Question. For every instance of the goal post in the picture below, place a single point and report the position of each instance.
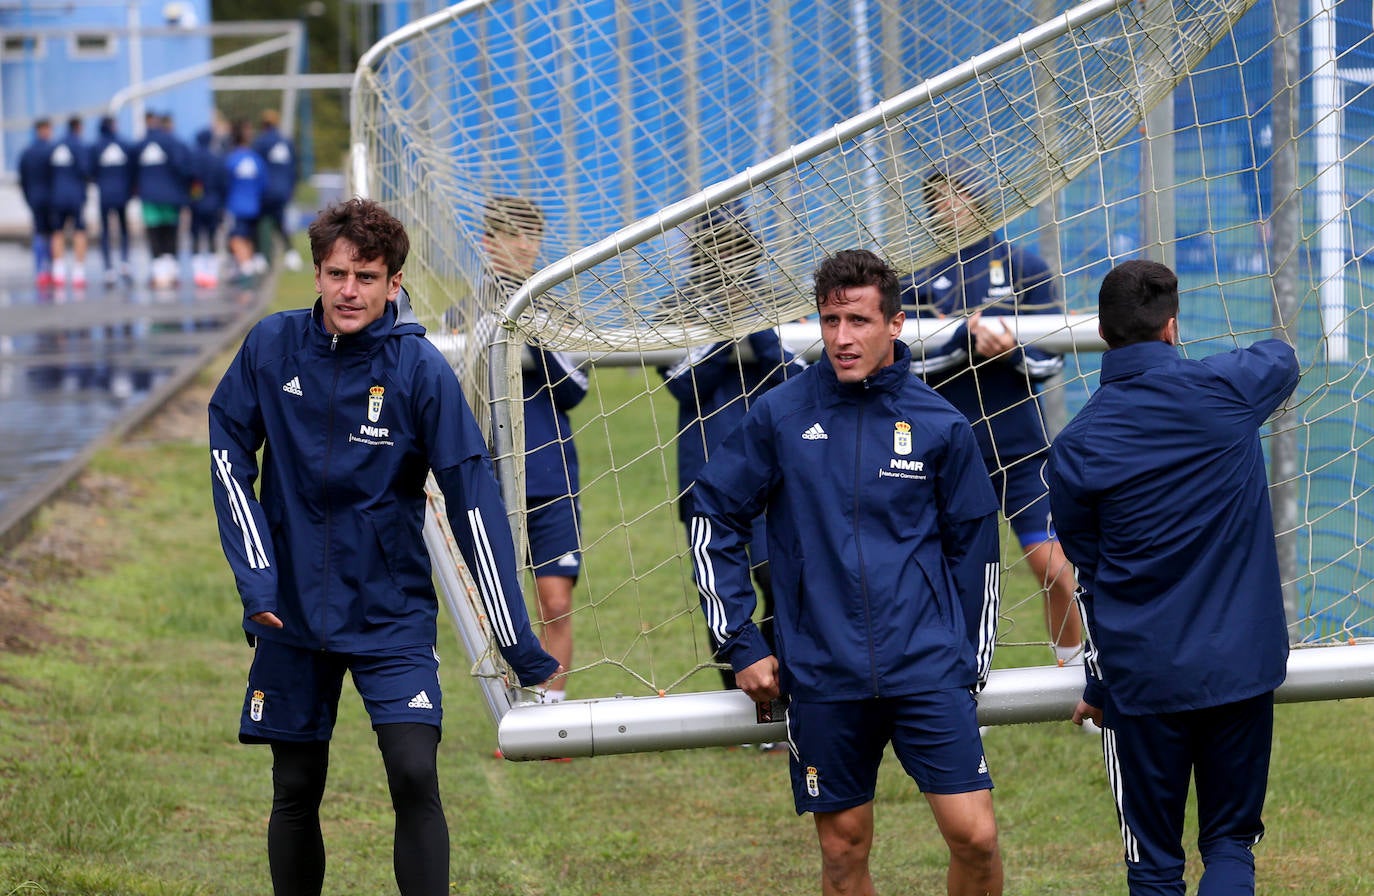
(614, 725)
(632, 124)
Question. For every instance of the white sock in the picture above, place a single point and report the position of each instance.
(1069, 656)
(552, 696)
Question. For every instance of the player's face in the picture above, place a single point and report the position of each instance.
(513, 253)
(955, 209)
(354, 291)
(857, 339)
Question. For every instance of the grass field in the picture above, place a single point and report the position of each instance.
(120, 772)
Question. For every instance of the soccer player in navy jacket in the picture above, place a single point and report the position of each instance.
(35, 180)
(715, 384)
(553, 384)
(352, 409)
(992, 378)
(882, 539)
(1160, 497)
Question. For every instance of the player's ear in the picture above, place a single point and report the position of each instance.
(1171, 331)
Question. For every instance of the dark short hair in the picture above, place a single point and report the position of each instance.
(512, 214)
(960, 174)
(1135, 302)
(365, 224)
(858, 267)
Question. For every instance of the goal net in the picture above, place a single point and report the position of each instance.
(1228, 138)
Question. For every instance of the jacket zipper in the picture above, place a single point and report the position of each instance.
(858, 543)
(324, 496)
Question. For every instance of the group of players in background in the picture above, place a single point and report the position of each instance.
(229, 169)
(858, 496)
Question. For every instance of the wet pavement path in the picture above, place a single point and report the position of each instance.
(78, 367)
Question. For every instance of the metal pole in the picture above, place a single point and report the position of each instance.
(1326, 116)
(1158, 176)
(1285, 222)
(136, 68)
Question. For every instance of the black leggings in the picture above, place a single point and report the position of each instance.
(295, 845)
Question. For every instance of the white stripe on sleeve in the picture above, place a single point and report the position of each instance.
(489, 581)
(712, 605)
(238, 505)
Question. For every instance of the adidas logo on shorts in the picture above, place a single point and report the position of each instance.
(420, 701)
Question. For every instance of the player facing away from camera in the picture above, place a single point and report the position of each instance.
(873, 483)
(1160, 495)
(352, 409)
(994, 379)
(714, 384)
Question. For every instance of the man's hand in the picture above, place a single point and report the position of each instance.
(760, 680)
(266, 618)
(1087, 711)
(988, 340)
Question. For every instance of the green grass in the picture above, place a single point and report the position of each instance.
(120, 772)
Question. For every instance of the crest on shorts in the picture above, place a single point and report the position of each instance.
(901, 438)
(255, 706)
(374, 403)
(813, 786)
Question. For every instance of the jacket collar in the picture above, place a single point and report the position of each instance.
(885, 379)
(366, 341)
(1136, 358)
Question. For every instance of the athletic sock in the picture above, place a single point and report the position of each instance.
(1069, 656)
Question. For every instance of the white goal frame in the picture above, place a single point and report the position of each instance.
(631, 724)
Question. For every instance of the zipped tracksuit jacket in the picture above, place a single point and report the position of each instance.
(882, 537)
(35, 178)
(998, 396)
(279, 153)
(553, 385)
(114, 170)
(71, 172)
(245, 180)
(1161, 501)
(350, 427)
(162, 169)
(714, 389)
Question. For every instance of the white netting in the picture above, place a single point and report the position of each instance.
(1104, 130)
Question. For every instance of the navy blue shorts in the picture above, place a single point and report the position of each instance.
(837, 747)
(1025, 499)
(245, 228)
(59, 216)
(293, 693)
(42, 219)
(552, 527)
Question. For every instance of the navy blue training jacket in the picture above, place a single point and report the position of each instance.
(998, 395)
(553, 385)
(113, 161)
(162, 164)
(70, 167)
(882, 537)
(331, 542)
(1161, 501)
(714, 389)
(280, 155)
(35, 179)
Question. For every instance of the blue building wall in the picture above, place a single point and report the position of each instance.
(64, 59)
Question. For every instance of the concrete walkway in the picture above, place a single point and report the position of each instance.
(81, 368)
